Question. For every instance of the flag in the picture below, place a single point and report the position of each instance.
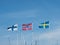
(27, 26)
(13, 28)
(44, 25)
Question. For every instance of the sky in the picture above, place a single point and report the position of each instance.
(30, 11)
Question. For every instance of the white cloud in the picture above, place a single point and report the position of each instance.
(43, 38)
(50, 35)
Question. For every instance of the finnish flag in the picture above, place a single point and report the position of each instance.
(13, 28)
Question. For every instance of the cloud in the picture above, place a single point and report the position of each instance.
(43, 38)
(50, 35)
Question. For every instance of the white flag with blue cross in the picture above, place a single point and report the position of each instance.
(13, 28)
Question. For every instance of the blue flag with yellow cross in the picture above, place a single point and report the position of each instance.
(44, 25)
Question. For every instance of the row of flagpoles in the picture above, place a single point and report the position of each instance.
(43, 25)
(28, 26)
(37, 42)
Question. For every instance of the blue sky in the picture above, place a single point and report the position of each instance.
(31, 11)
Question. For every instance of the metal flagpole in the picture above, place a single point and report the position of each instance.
(17, 38)
(57, 42)
(9, 40)
(35, 42)
(31, 43)
(25, 43)
(16, 29)
(17, 32)
(32, 33)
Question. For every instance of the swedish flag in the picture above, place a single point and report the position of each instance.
(44, 25)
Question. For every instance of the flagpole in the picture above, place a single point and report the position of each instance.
(20, 36)
(57, 42)
(31, 43)
(35, 42)
(17, 33)
(32, 33)
(25, 43)
(9, 40)
(17, 38)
